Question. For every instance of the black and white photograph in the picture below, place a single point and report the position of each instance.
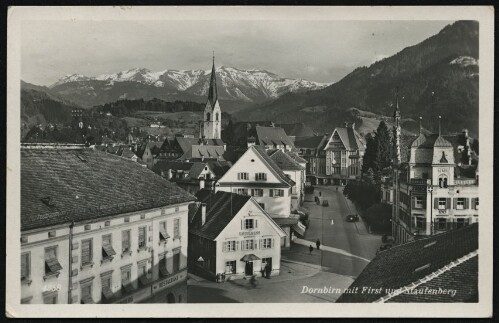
(178, 159)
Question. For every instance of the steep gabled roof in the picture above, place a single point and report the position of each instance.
(351, 139)
(260, 151)
(84, 184)
(296, 158)
(204, 151)
(186, 144)
(408, 263)
(285, 162)
(272, 136)
(220, 210)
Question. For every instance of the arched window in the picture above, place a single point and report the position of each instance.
(442, 181)
(208, 116)
(216, 116)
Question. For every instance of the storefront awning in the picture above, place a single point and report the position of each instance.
(249, 257)
(299, 228)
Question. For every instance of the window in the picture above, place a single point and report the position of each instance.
(258, 192)
(441, 224)
(142, 273)
(249, 244)
(208, 116)
(52, 234)
(442, 203)
(230, 246)
(107, 223)
(176, 228)
(126, 275)
(162, 231)
(242, 176)
(50, 297)
(230, 267)
(107, 247)
(460, 203)
(142, 237)
(442, 182)
(261, 176)
(476, 203)
(25, 266)
(266, 243)
(125, 241)
(87, 227)
(461, 222)
(418, 202)
(216, 116)
(162, 264)
(52, 265)
(106, 282)
(176, 260)
(420, 222)
(241, 191)
(86, 294)
(248, 224)
(276, 193)
(86, 252)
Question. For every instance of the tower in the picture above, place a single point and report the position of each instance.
(396, 172)
(212, 113)
(396, 133)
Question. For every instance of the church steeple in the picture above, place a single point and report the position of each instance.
(396, 132)
(212, 92)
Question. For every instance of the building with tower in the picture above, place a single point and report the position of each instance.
(212, 121)
(435, 183)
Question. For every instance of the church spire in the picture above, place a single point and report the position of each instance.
(396, 131)
(212, 92)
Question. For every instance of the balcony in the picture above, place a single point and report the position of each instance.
(465, 182)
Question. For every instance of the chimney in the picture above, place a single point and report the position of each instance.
(203, 213)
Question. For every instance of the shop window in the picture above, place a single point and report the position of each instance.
(230, 267)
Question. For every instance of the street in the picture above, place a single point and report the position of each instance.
(346, 248)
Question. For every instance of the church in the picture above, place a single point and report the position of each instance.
(212, 117)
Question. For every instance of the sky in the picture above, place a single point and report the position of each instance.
(321, 51)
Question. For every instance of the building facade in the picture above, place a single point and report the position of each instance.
(257, 175)
(83, 243)
(344, 152)
(312, 150)
(435, 187)
(231, 234)
(294, 171)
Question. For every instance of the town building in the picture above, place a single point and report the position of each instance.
(212, 124)
(435, 269)
(191, 176)
(97, 228)
(294, 171)
(312, 150)
(294, 130)
(203, 152)
(178, 146)
(271, 138)
(232, 234)
(257, 175)
(435, 185)
(344, 152)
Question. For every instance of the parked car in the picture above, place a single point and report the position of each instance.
(352, 217)
(325, 203)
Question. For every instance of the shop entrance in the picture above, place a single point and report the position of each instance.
(248, 270)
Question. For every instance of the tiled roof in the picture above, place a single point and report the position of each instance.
(220, 210)
(204, 151)
(296, 129)
(272, 136)
(261, 151)
(350, 138)
(85, 184)
(430, 141)
(219, 167)
(407, 263)
(165, 165)
(296, 158)
(196, 170)
(462, 278)
(186, 143)
(285, 162)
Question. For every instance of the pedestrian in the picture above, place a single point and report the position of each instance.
(318, 244)
(223, 277)
(253, 281)
(310, 249)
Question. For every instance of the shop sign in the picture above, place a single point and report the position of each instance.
(249, 233)
(169, 281)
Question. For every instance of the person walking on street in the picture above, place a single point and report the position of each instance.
(268, 270)
(253, 281)
(318, 244)
(310, 249)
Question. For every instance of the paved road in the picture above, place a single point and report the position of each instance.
(329, 225)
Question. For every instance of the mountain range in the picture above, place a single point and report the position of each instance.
(438, 76)
(236, 88)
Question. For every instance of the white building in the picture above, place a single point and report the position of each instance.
(231, 233)
(212, 124)
(257, 175)
(96, 228)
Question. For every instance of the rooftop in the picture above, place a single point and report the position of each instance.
(419, 262)
(285, 162)
(270, 136)
(63, 184)
(296, 129)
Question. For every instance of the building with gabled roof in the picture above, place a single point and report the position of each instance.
(344, 152)
(271, 138)
(232, 234)
(295, 172)
(103, 228)
(436, 269)
(203, 152)
(257, 175)
(191, 176)
(312, 150)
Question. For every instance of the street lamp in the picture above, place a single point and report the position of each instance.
(430, 190)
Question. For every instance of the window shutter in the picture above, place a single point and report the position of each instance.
(447, 203)
(256, 223)
(224, 246)
(237, 245)
(435, 203)
(260, 244)
(271, 193)
(455, 204)
(272, 243)
(242, 224)
(466, 203)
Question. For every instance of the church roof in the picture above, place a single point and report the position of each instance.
(212, 91)
(430, 141)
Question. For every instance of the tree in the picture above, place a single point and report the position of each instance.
(368, 161)
(383, 148)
